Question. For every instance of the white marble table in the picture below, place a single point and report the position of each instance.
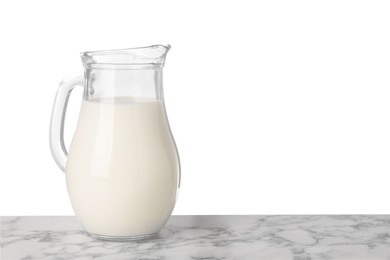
(207, 238)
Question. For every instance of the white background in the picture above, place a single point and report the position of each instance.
(277, 107)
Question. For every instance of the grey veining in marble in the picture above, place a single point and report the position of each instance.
(207, 238)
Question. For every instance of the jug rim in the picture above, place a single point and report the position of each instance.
(146, 57)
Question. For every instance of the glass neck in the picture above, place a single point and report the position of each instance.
(125, 82)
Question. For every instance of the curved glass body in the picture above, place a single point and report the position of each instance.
(122, 170)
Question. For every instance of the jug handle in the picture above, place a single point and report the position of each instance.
(57, 145)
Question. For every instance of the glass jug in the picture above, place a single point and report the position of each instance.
(122, 170)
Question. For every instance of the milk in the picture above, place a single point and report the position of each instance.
(122, 169)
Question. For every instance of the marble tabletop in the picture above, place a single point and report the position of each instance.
(281, 237)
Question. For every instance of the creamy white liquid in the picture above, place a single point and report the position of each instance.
(122, 169)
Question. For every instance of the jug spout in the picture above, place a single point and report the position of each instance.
(139, 57)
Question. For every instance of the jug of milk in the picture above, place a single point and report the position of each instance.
(122, 169)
